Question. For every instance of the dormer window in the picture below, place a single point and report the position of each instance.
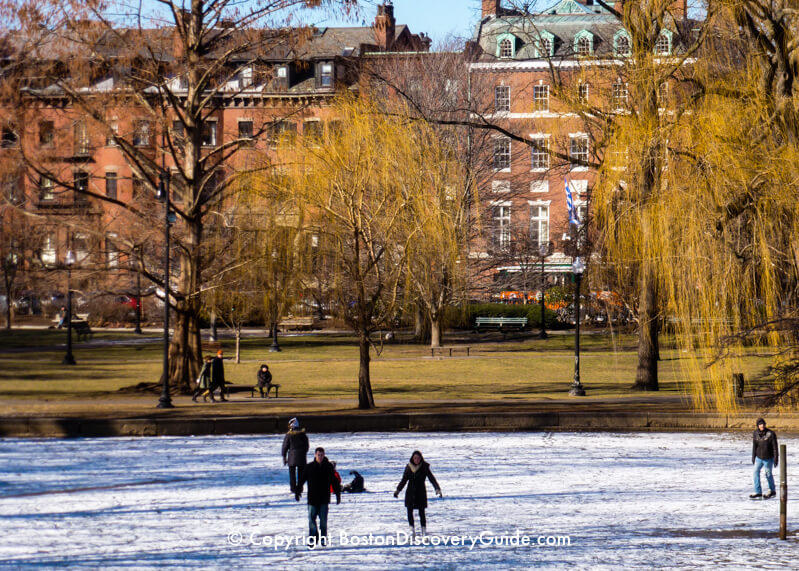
(326, 75)
(663, 44)
(621, 44)
(545, 44)
(584, 43)
(282, 72)
(245, 77)
(506, 46)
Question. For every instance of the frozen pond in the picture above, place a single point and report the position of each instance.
(641, 500)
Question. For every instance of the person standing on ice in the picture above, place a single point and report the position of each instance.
(320, 475)
(765, 453)
(416, 495)
(295, 450)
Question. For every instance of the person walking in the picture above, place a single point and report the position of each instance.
(416, 496)
(264, 380)
(218, 376)
(295, 450)
(204, 381)
(320, 475)
(765, 454)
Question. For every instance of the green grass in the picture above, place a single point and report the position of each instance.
(326, 367)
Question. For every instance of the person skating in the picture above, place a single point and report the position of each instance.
(218, 376)
(765, 453)
(356, 486)
(416, 496)
(295, 450)
(320, 475)
(204, 381)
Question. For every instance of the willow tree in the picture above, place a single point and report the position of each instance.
(150, 82)
(726, 251)
(365, 184)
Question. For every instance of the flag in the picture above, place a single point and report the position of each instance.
(573, 219)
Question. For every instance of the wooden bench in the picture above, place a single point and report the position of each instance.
(230, 388)
(500, 323)
(297, 323)
(82, 329)
(466, 348)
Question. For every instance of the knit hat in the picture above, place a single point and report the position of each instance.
(760, 421)
(294, 423)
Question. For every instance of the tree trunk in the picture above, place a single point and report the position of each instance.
(646, 378)
(435, 331)
(185, 352)
(213, 336)
(238, 344)
(418, 324)
(365, 398)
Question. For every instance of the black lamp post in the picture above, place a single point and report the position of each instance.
(69, 358)
(578, 268)
(543, 251)
(163, 195)
(137, 249)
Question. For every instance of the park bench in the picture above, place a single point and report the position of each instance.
(500, 323)
(297, 323)
(450, 349)
(230, 388)
(82, 329)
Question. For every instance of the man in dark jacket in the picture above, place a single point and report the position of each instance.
(320, 476)
(295, 449)
(765, 452)
(218, 376)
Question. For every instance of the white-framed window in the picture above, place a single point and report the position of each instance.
(500, 214)
(539, 222)
(663, 93)
(141, 133)
(282, 72)
(622, 44)
(80, 138)
(539, 186)
(80, 245)
(113, 129)
(583, 43)
(578, 151)
(663, 45)
(48, 254)
(111, 251)
(539, 152)
(326, 75)
(545, 47)
(506, 48)
(209, 133)
(620, 94)
(501, 98)
(582, 93)
(541, 97)
(499, 186)
(46, 188)
(246, 131)
(502, 154)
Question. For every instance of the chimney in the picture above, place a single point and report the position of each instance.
(490, 8)
(384, 26)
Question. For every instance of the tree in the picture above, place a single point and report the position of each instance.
(152, 91)
(365, 184)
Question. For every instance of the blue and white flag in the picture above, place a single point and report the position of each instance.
(573, 219)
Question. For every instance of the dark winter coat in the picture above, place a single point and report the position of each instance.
(321, 478)
(205, 376)
(295, 447)
(264, 378)
(764, 446)
(416, 495)
(218, 372)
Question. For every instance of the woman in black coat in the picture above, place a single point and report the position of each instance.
(416, 496)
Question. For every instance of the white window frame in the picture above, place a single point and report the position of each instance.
(501, 225)
(583, 91)
(537, 138)
(212, 125)
(620, 95)
(541, 224)
(502, 101)
(541, 98)
(48, 253)
(508, 153)
(573, 139)
(112, 254)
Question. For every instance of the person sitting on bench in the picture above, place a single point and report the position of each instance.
(264, 380)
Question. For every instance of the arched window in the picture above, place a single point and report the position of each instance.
(663, 45)
(506, 48)
(584, 43)
(622, 46)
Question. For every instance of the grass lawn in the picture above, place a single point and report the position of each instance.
(326, 367)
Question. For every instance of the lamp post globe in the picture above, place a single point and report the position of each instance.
(578, 267)
(69, 358)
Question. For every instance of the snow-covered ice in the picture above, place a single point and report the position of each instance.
(640, 500)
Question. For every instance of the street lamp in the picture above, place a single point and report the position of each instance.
(69, 358)
(543, 251)
(163, 196)
(578, 267)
